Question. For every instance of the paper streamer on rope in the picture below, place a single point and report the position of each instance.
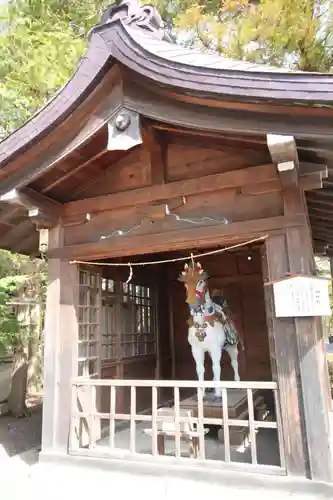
(130, 274)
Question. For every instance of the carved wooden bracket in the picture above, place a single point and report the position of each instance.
(43, 211)
(283, 152)
(292, 172)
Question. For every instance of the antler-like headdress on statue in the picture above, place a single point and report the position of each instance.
(191, 275)
(192, 272)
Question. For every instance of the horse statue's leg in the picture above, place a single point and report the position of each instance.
(199, 358)
(216, 365)
(232, 350)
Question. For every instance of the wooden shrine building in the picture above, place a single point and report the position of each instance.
(153, 152)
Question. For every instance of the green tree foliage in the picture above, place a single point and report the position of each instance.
(330, 373)
(15, 271)
(13, 264)
(294, 33)
(9, 325)
(41, 41)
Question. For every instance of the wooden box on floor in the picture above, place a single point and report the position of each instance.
(237, 409)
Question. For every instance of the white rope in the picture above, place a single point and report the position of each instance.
(167, 261)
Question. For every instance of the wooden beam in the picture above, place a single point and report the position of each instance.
(165, 192)
(307, 182)
(319, 247)
(326, 193)
(221, 136)
(324, 231)
(74, 171)
(157, 211)
(29, 199)
(262, 188)
(323, 213)
(212, 235)
(315, 199)
(42, 210)
(318, 219)
(283, 152)
(327, 232)
(18, 232)
(6, 216)
(28, 245)
(189, 115)
(328, 183)
(321, 218)
(311, 181)
(326, 236)
(319, 234)
(40, 219)
(308, 168)
(156, 145)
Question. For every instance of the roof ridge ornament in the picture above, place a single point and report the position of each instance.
(136, 15)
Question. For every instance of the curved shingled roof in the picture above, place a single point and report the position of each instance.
(195, 57)
(133, 34)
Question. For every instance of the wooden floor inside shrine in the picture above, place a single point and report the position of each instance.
(267, 445)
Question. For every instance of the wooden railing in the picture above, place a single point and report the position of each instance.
(172, 422)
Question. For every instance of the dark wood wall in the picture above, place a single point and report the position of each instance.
(186, 159)
(237, 197)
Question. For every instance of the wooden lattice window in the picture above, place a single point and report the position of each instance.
(109, 320)
(138, 321)
(89, 306)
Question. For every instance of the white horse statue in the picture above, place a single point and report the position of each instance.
(210, 328)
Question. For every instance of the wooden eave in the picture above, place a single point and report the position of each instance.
(132, 48)
(254, 102)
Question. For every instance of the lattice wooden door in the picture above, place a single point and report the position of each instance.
(89, 351)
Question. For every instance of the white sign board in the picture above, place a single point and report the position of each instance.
(301, 296)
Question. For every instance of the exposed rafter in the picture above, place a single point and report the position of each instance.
(74, 171)
(320, 247)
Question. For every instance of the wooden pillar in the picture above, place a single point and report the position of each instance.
(284, 359)
(312, 366)
(300, 357)
(60, 351)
